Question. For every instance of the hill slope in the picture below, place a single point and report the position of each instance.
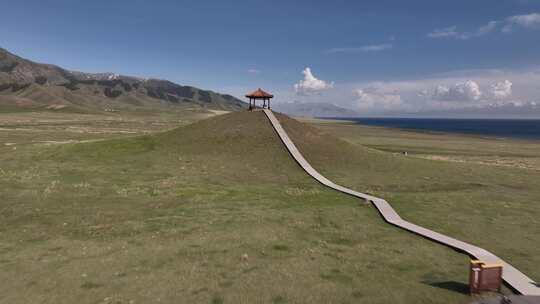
(26, 84)
(196, 214)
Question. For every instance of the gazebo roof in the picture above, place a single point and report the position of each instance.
(259, 94)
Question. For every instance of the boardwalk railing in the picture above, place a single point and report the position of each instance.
(513, 277)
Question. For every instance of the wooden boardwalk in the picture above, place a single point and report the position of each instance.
(513, 277)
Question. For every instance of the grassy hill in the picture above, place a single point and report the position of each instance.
(26, 85)
(480, 190)
(218, 212)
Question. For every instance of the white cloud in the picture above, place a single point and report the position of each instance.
(531, 21)
(377, 98)
(444, 32)
(310, 84)
(480, 89)
(422, 93)
(253, 71)
(462, 91)
(501, 90)
(441, 91)
(451, 32)
(416, 95)
(376, 47)
(486, 29)
(527, 21)
(364, 48)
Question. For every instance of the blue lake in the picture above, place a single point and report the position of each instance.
(506, 128)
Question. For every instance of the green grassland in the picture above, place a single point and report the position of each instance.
(481, 190)
(216, 211)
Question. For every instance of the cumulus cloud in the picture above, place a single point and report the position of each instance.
(253, 71)
(364, 48)
(310, 84)
(377, 98)
(441, 92)
(526, 21)
(417, 95)
(501, 90)
(422, 93)
(479, 89)
(462, 91)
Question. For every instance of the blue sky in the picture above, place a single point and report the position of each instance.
(354, 47)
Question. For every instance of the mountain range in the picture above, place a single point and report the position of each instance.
(314, 109)
(25, 84)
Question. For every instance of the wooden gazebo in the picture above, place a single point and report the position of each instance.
(259, 95)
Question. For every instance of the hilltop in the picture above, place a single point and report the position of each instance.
(29, 85)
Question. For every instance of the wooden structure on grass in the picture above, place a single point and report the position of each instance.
(485, 277)
(259, 95)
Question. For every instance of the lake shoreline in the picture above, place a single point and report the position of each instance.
(497, 129)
